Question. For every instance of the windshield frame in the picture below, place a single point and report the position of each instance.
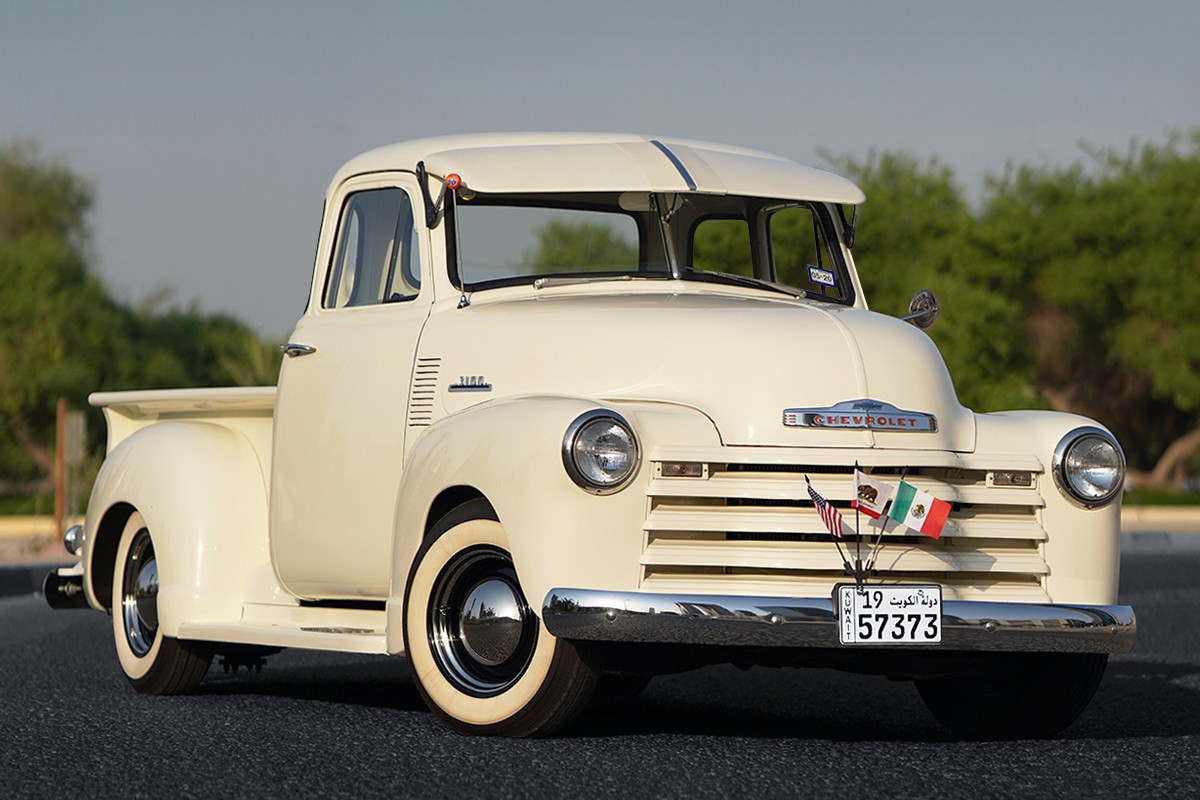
(651, 229)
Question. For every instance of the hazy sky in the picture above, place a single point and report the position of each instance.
(212, 129)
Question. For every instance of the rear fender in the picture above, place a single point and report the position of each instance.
(201, 490)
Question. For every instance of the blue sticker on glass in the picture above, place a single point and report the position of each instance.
(824, 277)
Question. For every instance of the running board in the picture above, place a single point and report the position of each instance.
(338, 629)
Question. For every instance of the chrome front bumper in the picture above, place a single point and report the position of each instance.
(724, 620)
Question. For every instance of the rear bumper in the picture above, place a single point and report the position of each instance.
(724, 620)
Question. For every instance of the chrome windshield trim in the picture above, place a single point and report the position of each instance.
(594, 615)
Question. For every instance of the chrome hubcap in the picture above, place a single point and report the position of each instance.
(491, 622)
(481, 631)
(139, 594)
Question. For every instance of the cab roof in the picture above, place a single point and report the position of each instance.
(605, 162)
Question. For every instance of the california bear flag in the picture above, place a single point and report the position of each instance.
(870, 494)
(919, 510)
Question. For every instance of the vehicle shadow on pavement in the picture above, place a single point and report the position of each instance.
(1137, 700)
(373, 682)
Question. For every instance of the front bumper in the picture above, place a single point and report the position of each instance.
(725, 620)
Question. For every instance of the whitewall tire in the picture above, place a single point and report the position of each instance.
(153, 663)
(481, 658)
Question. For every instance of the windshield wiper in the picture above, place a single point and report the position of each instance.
(542, 283)
(742, 280)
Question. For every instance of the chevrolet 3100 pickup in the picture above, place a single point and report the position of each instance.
(567, 411)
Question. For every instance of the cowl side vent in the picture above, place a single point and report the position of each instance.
(424, 390)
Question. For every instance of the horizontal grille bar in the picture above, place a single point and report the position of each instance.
(824, 557)
(747, 522)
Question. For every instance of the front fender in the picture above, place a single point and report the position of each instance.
(201, 490)
(1083, 546)
(511, 452)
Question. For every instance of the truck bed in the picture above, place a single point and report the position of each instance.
(248, 409)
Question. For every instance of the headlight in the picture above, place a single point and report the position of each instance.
(1089, 466)
(600, 451)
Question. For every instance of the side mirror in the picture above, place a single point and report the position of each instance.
(923, 309)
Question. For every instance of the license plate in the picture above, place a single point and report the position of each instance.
(901, 615)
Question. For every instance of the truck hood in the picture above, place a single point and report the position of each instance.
(842, 377)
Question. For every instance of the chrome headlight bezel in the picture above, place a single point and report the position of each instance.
(577, 429)
(1066, 481)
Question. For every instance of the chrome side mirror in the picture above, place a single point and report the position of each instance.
(923, 309)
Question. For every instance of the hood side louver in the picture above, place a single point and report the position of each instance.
(424, 391)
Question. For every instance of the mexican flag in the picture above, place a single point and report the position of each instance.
(870, 494)
(919, 510)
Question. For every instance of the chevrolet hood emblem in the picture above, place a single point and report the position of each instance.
(862, 414)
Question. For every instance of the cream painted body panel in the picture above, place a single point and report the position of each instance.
(1083, 546)
(510, 450)
(339, 451)
(201, 489)
(742, 356)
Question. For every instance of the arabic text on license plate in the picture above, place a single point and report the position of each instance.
(904, 615)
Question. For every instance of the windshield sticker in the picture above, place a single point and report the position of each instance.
(822, 276)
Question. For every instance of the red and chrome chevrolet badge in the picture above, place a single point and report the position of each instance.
(871, 415)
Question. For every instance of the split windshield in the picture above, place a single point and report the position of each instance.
(778, 245)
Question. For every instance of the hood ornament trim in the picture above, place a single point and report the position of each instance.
(862, 414)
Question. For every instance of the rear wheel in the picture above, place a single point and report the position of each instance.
(1017, 696)
(481, 658)
(153, 663)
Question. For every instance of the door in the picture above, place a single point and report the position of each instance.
(343, 397)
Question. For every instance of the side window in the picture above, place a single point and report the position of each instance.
(801, 253)
(376, 258)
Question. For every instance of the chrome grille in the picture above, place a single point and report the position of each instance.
(748, 525)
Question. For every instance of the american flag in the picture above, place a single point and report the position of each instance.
(829, 515)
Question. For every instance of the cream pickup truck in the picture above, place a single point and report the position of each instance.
(568, 411)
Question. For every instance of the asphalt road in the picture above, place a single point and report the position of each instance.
(314, 724)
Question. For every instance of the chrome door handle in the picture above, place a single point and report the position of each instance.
(292, 349)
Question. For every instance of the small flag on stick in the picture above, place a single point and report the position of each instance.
(919, 510)
(870, 494)
(829, 515)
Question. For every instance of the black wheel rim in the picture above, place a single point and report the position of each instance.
(139, 594)
(481, 631)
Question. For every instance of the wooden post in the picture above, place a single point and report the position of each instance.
(60, 467)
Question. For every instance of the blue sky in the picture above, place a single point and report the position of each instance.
(211, 129)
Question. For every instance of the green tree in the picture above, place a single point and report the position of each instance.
(1106, 260)
(584, 246)
(917, 230)
(63, 335)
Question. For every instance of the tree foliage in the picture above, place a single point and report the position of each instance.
(566, 246)
(62, 334)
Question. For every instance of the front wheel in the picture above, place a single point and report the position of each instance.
(481, 658)
(1016, 696)
(153, 663)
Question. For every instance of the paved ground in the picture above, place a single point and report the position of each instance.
(318, 724)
